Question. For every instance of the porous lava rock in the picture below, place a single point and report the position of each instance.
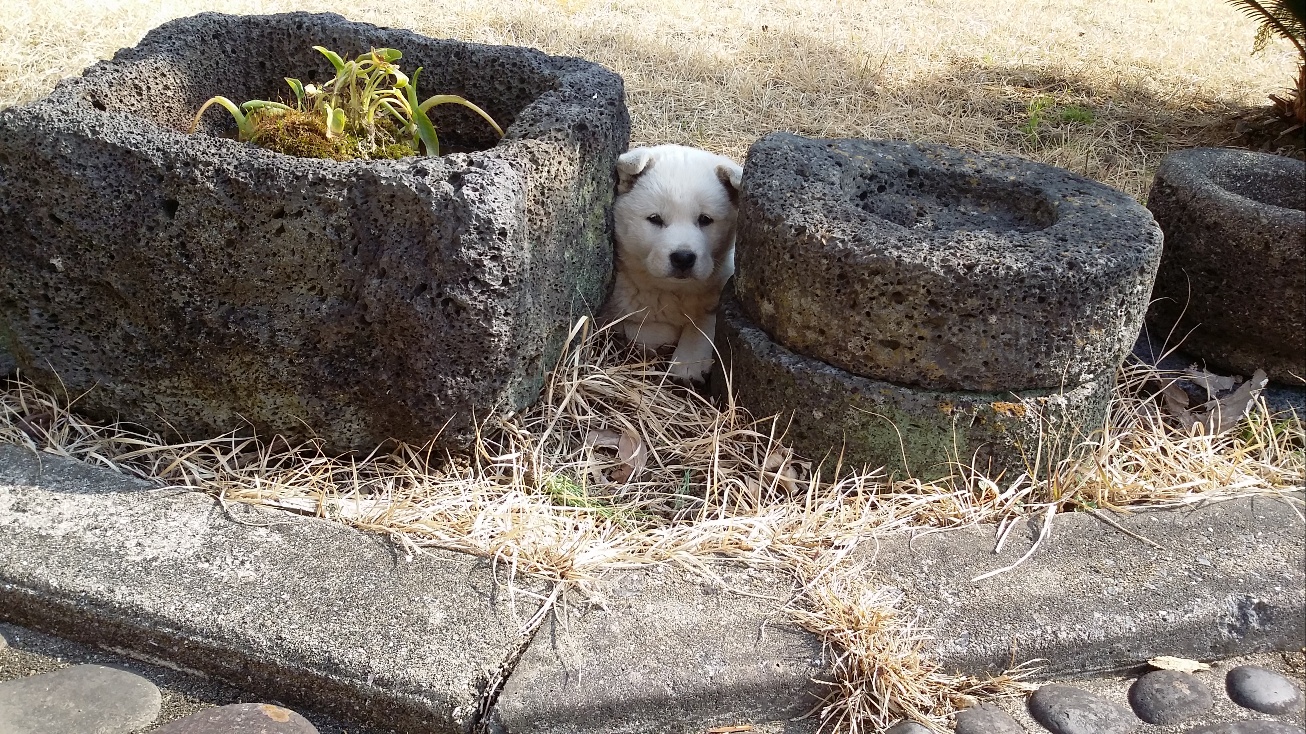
(195, 284)
(940, 268)
(831, 414)
(1232, 281)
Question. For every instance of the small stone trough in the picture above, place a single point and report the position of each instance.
(195, 284)
(1232, 281)
(912, 306)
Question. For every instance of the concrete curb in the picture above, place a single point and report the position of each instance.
(304, 610)
(671, 653)
(314, 613)
(1227, 580)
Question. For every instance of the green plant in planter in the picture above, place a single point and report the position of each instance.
(370, 109)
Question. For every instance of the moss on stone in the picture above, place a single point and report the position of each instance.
(923, 433)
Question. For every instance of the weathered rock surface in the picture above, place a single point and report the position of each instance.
(934, 267)
(87, 699)
(197, 283)
(1169, 697)
(1232, 281)
(1064, 709)
(875, 423)
(1259, 689)
(241, 718)
(1254, 726)
(907, 727)
(986, 719)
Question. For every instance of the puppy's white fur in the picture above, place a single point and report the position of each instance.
(675, 234)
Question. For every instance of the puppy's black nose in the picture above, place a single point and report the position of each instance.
(682, 259)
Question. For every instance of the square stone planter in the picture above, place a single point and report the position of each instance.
(194, 284)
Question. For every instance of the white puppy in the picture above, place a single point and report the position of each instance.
(675, 230)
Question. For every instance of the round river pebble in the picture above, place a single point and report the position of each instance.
(1169, 697)
(1064, 709)
(82, 698)
(1259, 689)
(241, 718)
(1248, 727)
(907, 727)
(986, 719)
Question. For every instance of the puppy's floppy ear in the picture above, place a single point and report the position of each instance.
(731, 175)
(632, 163)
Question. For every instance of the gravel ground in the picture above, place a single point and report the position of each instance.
(184, 693)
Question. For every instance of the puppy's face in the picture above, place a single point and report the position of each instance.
(675, 212)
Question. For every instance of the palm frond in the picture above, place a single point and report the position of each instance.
(1283, 18)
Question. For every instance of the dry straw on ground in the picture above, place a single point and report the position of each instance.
(615, 467)
(881, 671)
(1101, 87)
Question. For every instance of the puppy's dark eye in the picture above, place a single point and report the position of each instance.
(704, 220)
(657, 219)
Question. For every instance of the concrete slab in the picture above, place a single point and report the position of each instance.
(670, 654)
(303, 610)
(315, 614)
(1227, 580)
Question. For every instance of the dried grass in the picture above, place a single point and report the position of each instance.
(542, 498)
(1152, 76)
(539, 493)
(615, 466)
(881, 671)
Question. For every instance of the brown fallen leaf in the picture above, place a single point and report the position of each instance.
(1225, 413)
(1216, 415)
(780, 467)
(631, 450)
(1174, 401)
(1183, 665)
(1212, 383)
(777, 458)
(601, 438)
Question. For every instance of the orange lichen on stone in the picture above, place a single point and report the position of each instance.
(1011, 410)
(276, 713)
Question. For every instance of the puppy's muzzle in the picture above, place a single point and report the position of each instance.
(682, 263)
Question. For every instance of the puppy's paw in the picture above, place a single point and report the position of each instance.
(692, 372)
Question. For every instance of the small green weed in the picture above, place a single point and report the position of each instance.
(1044, 108)
(1038, 107)
(1075, 115)
(567, 492)
(370, 109)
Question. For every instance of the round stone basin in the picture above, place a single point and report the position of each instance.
(834, 416)
(934, 267)
(1231, 289)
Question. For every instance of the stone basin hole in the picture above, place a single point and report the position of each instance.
(242, 61)
(943, 201)
(1279, 186)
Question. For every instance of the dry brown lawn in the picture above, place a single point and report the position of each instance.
(1111, 86)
